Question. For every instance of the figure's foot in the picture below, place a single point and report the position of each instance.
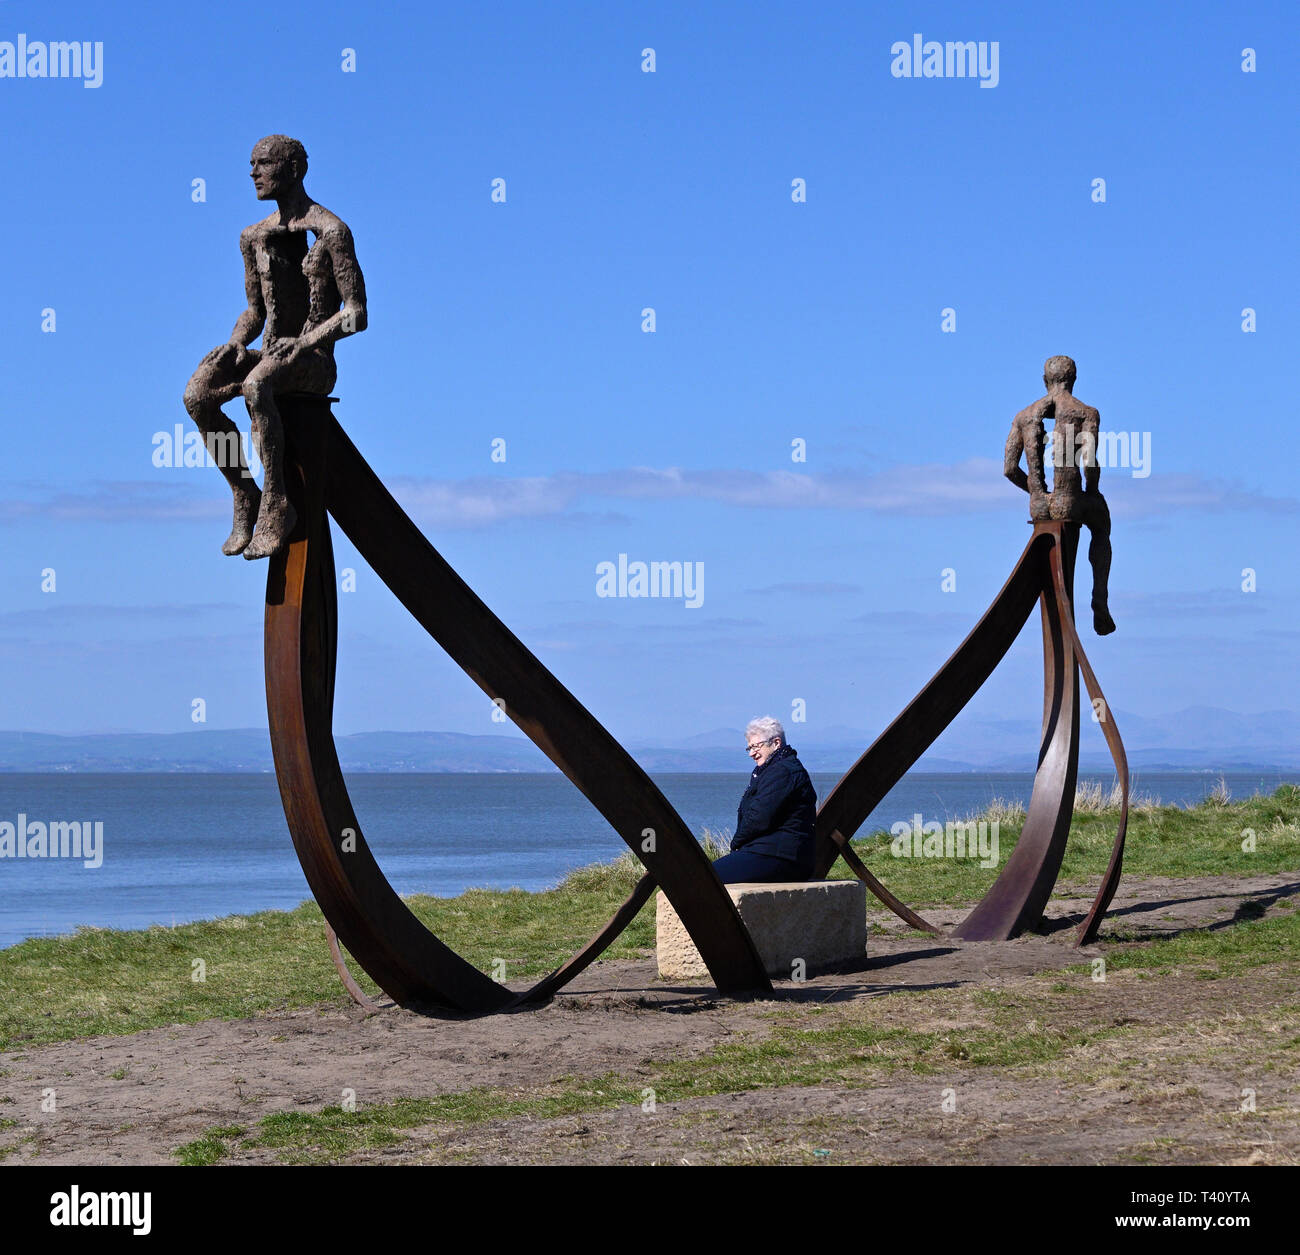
(247, 505)
(1102, 623)
(274, 525)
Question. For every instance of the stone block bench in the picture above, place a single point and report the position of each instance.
(822, 922)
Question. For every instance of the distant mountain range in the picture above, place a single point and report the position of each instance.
(1200, 738)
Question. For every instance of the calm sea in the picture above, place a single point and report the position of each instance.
(184, 847)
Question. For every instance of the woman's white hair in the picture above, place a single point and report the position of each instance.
(767, 727)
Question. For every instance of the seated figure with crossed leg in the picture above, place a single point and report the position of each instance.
(306, 298)
(1074, 444)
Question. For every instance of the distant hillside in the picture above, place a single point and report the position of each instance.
(249, 749)
(1197, 739)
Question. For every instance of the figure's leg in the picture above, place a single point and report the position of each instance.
(312, 372)
(217, 380)
(1097, 518)
(745, 866)
(275, 517)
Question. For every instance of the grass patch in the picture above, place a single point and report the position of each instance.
(209, 1149)
(334, 1134)
(1221, 950)
(108, 981)
(1034, 1030)
(1174, 841)
(853, 1051)
(847, 1053)
(104, 981)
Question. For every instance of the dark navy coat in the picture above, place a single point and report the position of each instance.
(778, 811)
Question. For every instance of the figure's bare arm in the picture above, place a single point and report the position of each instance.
(351, 316)
(1026, 437)
(1011, 457)
(1091, 467)
(1034, 457)
(249, 324)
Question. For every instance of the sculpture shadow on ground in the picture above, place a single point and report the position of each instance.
(1252, 908)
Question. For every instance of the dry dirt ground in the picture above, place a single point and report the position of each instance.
(1168, 1089)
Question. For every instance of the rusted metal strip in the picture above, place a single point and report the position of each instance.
(355, 992)
(406, 960)
(495, 659)
(409, 962)
(596, 946)
(901, 909)
(1087, 931)
(1016, 899)
(401, 955)
(890, 756)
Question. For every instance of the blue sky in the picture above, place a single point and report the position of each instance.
(775, 321)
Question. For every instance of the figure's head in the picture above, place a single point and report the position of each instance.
(763, 737)
(1059, 371)
(279, 164)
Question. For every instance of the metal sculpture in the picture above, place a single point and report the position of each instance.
(1044, 573)
(301, 299)
(304, 298)
(327, 476)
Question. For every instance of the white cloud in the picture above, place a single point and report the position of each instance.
(962, 488)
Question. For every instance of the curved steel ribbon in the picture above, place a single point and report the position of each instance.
(326, 473)
(1016, 899)
(1087, 931)
(355, 992)
(1043, 573)
(889, 757)
(596, 946)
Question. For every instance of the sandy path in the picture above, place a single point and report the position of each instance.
(179, 1081)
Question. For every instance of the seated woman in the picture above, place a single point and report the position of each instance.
(774, 825)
